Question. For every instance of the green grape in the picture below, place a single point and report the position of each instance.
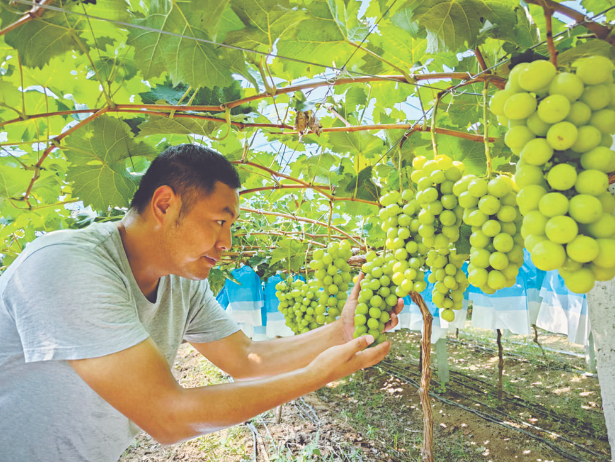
(592, 182)
(594, 70)
(547, 255)
(528, 175)
(585, 208)
(588, 138)
(604, 120)
(607, 201)
(517, 137)
(602, 274)
(489, 205)
(607, 141)
(580, 281)
(583, 249)
(596, 97)
(499, 187)
(553, 109)
(562, 135)
(606, 254)
(532, 240)
(528, 198)
(491, 228)
(562, 177)
(513, 77)
(568, 85)
(537, 126)
(537, 152)
(497, 102)
(603, 227)
(537, 75)
(503, 242)
(580, 113)
(561, 229)
(599, 158)
(554, 204)
(534, 223)
(496, 280)
(520, 106)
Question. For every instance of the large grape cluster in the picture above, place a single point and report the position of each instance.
(298, 304)
(490, 208)
(332, 273)
(561, 126)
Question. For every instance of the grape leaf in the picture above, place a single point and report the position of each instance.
(177, 125)
(98, 163)
(196, 63)
(265, 21)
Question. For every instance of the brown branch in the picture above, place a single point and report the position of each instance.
(306, 220)
(54, 145)
(287, 233)
(315, 188)
(548, 19)
(481, 60)
(36, 12)
(48, 114)
(602, 32)
(427, 448)
(357, 128)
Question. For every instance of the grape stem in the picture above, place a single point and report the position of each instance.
(548, 18)
(486, 132)
(433, 126)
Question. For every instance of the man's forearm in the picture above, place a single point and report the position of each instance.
(197, 411)
(277, 356)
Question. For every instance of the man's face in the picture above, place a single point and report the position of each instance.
(195, 244)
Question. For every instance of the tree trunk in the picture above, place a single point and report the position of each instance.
(427, 449)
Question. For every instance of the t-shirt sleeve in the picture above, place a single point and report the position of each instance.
(208, 321)
(69, 303)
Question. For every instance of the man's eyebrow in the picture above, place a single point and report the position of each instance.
(229, 211)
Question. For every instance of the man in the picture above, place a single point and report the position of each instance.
(91, 320)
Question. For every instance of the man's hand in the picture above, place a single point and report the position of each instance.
(342, 360)
(346, 320)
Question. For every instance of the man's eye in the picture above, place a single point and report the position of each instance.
(221, 222)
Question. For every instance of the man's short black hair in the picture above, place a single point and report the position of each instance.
(190, 170)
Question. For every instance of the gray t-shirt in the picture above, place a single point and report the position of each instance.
(72, 295)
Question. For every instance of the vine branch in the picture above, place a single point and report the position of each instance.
(307, 220)
(601, 31)
(36, 12)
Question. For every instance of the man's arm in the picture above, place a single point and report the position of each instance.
(256, 359)
(138, 383)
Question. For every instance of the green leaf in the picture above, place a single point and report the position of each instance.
(196, 63)
(359, 143)
(290, 251)
(98, 160)
(463, 245)
(265, 21)
(453, 24)
(465, 110)
(320, 38)
(361, 186)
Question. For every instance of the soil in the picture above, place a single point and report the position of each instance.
(549, 410)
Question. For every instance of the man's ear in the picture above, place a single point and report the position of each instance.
(164, 203)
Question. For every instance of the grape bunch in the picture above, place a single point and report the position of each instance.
(403, 240)
(332, 273)
(490, 208)
(561, 126)
(440, 216)
(298, 304)
(449, 281)
(377, 297)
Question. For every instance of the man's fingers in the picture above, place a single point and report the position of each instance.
(373, 355)
(354, 294)
(392, 323)
(399, 306)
